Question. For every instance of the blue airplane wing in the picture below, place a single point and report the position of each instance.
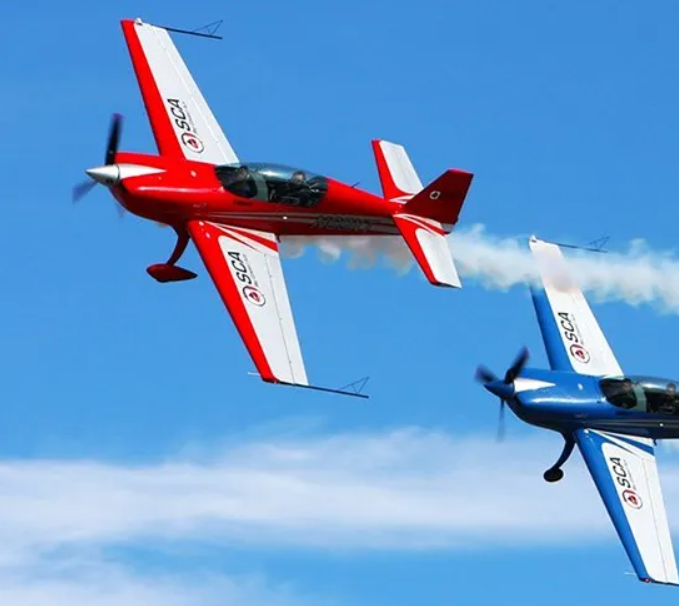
(572, 336)
(625, 473)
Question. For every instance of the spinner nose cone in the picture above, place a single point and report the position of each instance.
(500, 389)
(108, 175)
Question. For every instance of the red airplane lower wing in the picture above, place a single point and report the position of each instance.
(182, 122)
(245, 266)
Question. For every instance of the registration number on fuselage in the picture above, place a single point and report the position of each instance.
(341, 223)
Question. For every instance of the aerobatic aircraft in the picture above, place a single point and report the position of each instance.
(615, 419)
(235, 212)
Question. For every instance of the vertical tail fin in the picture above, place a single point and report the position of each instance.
(427, 214)
(441, 200)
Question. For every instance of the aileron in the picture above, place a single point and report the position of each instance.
(182, 122)
(245, 266)
(625, 472)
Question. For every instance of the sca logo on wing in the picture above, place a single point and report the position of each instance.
(632, 499)
(192, 142)
(254, 295)
(579, 353)
(182, 119)
(623, 478)
(244, 275)
(571, 333)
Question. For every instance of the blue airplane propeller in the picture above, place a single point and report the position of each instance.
(503, 389)
(613, 418)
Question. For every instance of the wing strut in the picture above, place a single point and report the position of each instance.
(207, 31)
(353, 389)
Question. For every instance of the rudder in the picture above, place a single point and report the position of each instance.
(442, 199)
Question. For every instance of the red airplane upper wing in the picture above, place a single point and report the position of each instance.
(182, 123)
(245, 266)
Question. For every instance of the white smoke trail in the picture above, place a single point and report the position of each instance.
(363, 251)
(637, 276)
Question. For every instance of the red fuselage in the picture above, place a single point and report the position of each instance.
(186, 190)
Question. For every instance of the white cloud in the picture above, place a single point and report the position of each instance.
(95, 581)
(405, 490)
(401, 490)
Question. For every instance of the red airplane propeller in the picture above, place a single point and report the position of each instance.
(83, 188)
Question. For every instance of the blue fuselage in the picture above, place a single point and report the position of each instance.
(565, 401)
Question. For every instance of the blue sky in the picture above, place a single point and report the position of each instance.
(143, 464)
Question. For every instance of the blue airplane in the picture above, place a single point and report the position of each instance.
(615, 419)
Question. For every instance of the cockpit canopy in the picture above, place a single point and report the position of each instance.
(273, 183)
(646, 394)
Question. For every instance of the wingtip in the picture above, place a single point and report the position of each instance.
(651, 581)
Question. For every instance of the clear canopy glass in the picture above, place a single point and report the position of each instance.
(648, 394)
(273, 183)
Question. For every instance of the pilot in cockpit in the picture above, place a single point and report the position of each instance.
(627, 396)
(293, 191)
(242, 184)
(669, 403)
(663, 401)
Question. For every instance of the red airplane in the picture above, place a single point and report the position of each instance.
(235, 212)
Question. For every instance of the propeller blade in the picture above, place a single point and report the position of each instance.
(82, 189)
(113, 138)
(515, 369)
(501, 423)
(484, 375)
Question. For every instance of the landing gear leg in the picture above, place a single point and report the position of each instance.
(170, 272)
(555, 473)
(179, 248)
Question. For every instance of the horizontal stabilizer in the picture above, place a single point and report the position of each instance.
(397, 175)
(427, 241)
